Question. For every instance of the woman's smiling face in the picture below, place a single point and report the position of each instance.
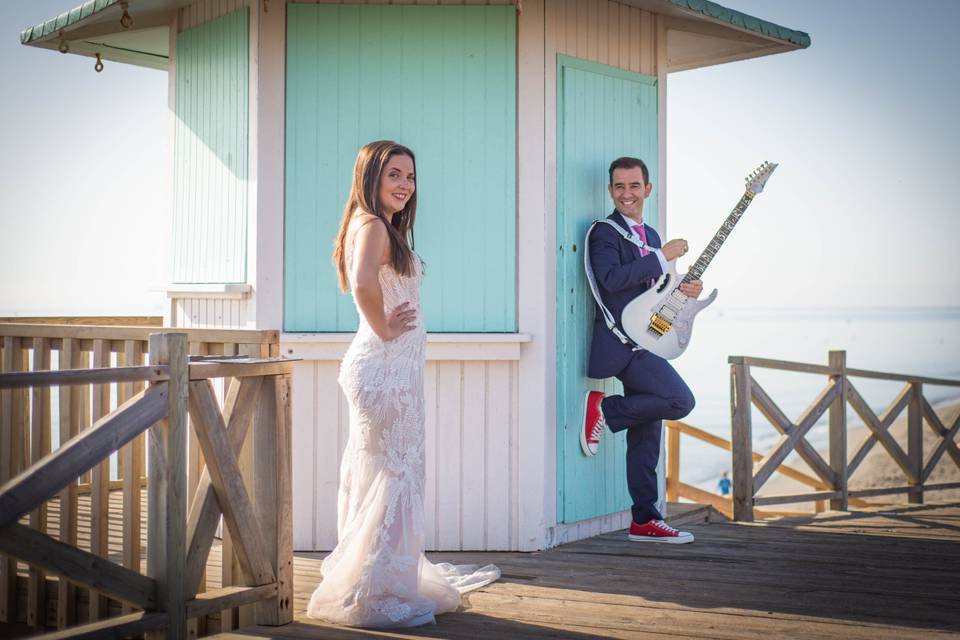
(397, 183)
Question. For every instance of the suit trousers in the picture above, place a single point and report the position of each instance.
(652, 392)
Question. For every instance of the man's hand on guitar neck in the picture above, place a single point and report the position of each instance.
(674, 249)
(692, 289)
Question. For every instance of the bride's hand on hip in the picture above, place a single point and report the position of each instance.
(401, 320)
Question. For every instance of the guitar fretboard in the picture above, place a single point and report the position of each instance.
(701, 264)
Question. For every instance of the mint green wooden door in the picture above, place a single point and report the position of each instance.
(440, 80)
(602, 113)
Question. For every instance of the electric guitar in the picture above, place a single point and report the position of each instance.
(661, 319)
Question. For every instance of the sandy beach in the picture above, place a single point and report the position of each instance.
(878, 469)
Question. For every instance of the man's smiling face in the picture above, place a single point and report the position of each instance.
(628, 191)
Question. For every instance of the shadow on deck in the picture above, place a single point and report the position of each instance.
(891, 572)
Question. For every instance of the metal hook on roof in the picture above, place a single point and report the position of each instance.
(126, 20)
(99, 66)
(63, 47)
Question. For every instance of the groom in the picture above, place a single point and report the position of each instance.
(653, 391)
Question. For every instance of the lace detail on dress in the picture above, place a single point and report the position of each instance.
(378, 575)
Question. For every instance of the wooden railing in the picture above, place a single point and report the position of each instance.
(677, 489)
(832, 477)
(36, 482)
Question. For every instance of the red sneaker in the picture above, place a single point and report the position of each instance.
(658, 531)
(593, 423)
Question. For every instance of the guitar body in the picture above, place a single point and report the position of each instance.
(661, 319)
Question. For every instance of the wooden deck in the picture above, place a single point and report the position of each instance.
(892, 572)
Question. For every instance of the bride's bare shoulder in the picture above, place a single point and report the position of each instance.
(364, 220)
(374, 232)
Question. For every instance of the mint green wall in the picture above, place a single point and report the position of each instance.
(210, 152)
(440, 80)
(602, 113)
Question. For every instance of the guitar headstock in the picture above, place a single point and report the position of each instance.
(756, 180)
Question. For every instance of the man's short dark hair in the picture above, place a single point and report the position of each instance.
(627, 162)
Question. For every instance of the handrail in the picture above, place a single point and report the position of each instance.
(803, 367)
(257, 402)
(117, 321)
(835, 473)
(116, 333)
(37, 379)
(237, 367)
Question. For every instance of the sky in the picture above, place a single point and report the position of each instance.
(862, 211)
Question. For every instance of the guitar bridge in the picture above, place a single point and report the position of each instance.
(659, 325)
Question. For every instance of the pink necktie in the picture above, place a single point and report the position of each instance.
(639, 230)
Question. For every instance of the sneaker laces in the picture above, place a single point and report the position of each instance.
(596, 430)
(663, 526)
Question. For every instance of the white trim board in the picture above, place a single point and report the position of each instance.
(231, 291)
(440, 346)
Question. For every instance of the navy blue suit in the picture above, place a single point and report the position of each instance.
(652, 389)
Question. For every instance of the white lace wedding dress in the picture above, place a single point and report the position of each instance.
(378, 576)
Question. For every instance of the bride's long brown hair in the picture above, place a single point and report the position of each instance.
(364, 196)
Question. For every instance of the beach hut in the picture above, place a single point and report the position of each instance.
(514, 110)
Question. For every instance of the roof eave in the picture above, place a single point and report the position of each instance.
(95, 27)
(701, 33)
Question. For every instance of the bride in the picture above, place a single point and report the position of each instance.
(378, 576)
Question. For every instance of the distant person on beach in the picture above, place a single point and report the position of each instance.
(625, 262)
(724, 484)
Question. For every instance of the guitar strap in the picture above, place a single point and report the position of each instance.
(607, 316)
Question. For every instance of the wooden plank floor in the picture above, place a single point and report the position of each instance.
(893, 572)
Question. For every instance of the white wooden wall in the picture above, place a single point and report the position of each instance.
(471, 499)
(209, 313)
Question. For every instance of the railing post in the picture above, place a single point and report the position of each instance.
(167, 480)
(838, 430)
(673, 464)
(8, 564)
(741, 441)
(273, 499)
(915, 441)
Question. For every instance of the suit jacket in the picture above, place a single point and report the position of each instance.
(622, 275)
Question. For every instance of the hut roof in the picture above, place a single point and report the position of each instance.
(95, 27)
(702, 32)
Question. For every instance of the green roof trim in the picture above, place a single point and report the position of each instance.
(64, 20)
(703, 7)
(744, 21)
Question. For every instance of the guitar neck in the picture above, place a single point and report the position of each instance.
(697, 268)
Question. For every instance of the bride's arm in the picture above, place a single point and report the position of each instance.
(372, 248)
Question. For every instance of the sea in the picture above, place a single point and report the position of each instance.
(917, 341)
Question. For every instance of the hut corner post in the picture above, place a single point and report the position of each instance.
(741, 449)
(838, 430)
(167, 471)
